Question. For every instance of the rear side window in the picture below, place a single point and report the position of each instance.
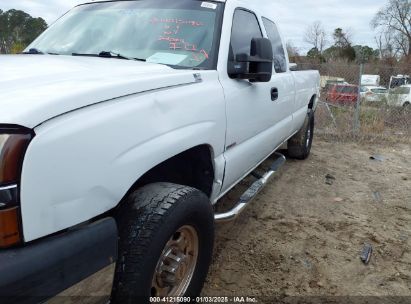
(350, 90)
(339, 89)
(379, 91)
(401, 90)
(346, 90)
(404, 90)
(245, 28)
(280, 62)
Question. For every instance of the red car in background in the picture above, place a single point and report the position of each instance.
(346, 94)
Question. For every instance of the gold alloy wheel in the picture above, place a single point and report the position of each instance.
(177, 264)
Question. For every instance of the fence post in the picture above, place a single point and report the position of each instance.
(357, 108)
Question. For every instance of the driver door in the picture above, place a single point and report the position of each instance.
(254, 110)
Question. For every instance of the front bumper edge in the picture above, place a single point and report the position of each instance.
(41, 270)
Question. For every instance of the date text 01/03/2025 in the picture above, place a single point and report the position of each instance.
(203, 300)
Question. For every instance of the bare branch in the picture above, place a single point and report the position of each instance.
(395, 18)
(316, 36)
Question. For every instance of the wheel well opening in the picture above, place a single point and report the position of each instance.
(311, 104)
(193, 168)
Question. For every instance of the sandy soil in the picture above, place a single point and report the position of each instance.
(303, 237)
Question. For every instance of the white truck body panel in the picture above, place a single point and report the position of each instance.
(277, 120)
(84, 81)
(101, 124)
(94, 178)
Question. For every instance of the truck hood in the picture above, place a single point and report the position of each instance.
(36, 88)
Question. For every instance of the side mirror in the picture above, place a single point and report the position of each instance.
(257, 67)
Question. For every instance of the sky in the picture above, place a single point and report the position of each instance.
(293, 16)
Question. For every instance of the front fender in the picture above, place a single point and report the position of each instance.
(81, 164)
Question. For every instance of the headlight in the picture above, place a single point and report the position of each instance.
(13, 144)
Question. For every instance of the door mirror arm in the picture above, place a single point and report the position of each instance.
(293, 67)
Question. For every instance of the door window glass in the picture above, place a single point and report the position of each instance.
(245, 28)
(280, 62)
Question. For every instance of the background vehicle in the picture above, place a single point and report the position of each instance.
(374, 94)
(370, 80)
(328, 83)
(346, 94)
(123, 125)
(400, 97)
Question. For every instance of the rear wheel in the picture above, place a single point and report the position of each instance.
(166, 243)
(299, 146)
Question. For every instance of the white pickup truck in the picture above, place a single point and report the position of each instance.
(123, 125)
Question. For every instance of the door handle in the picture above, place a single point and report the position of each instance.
(274, 94)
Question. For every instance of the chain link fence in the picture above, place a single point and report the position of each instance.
(364, 101)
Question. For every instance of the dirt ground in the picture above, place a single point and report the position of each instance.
(304, 237)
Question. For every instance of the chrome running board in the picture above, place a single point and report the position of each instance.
(252, 192)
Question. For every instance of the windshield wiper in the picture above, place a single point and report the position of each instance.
(108, 54)
(34, 52)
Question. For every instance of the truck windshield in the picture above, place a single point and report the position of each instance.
(178, 33)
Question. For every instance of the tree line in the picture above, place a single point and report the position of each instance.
(392, 25)
(17, 30)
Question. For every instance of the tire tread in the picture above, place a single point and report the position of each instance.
(140, 220)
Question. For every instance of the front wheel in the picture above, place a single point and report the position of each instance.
(299, 146)
(166, 243)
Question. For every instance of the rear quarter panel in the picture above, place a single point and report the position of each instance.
(307, 86)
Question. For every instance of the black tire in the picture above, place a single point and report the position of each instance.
(147, 221)
(299, 146)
